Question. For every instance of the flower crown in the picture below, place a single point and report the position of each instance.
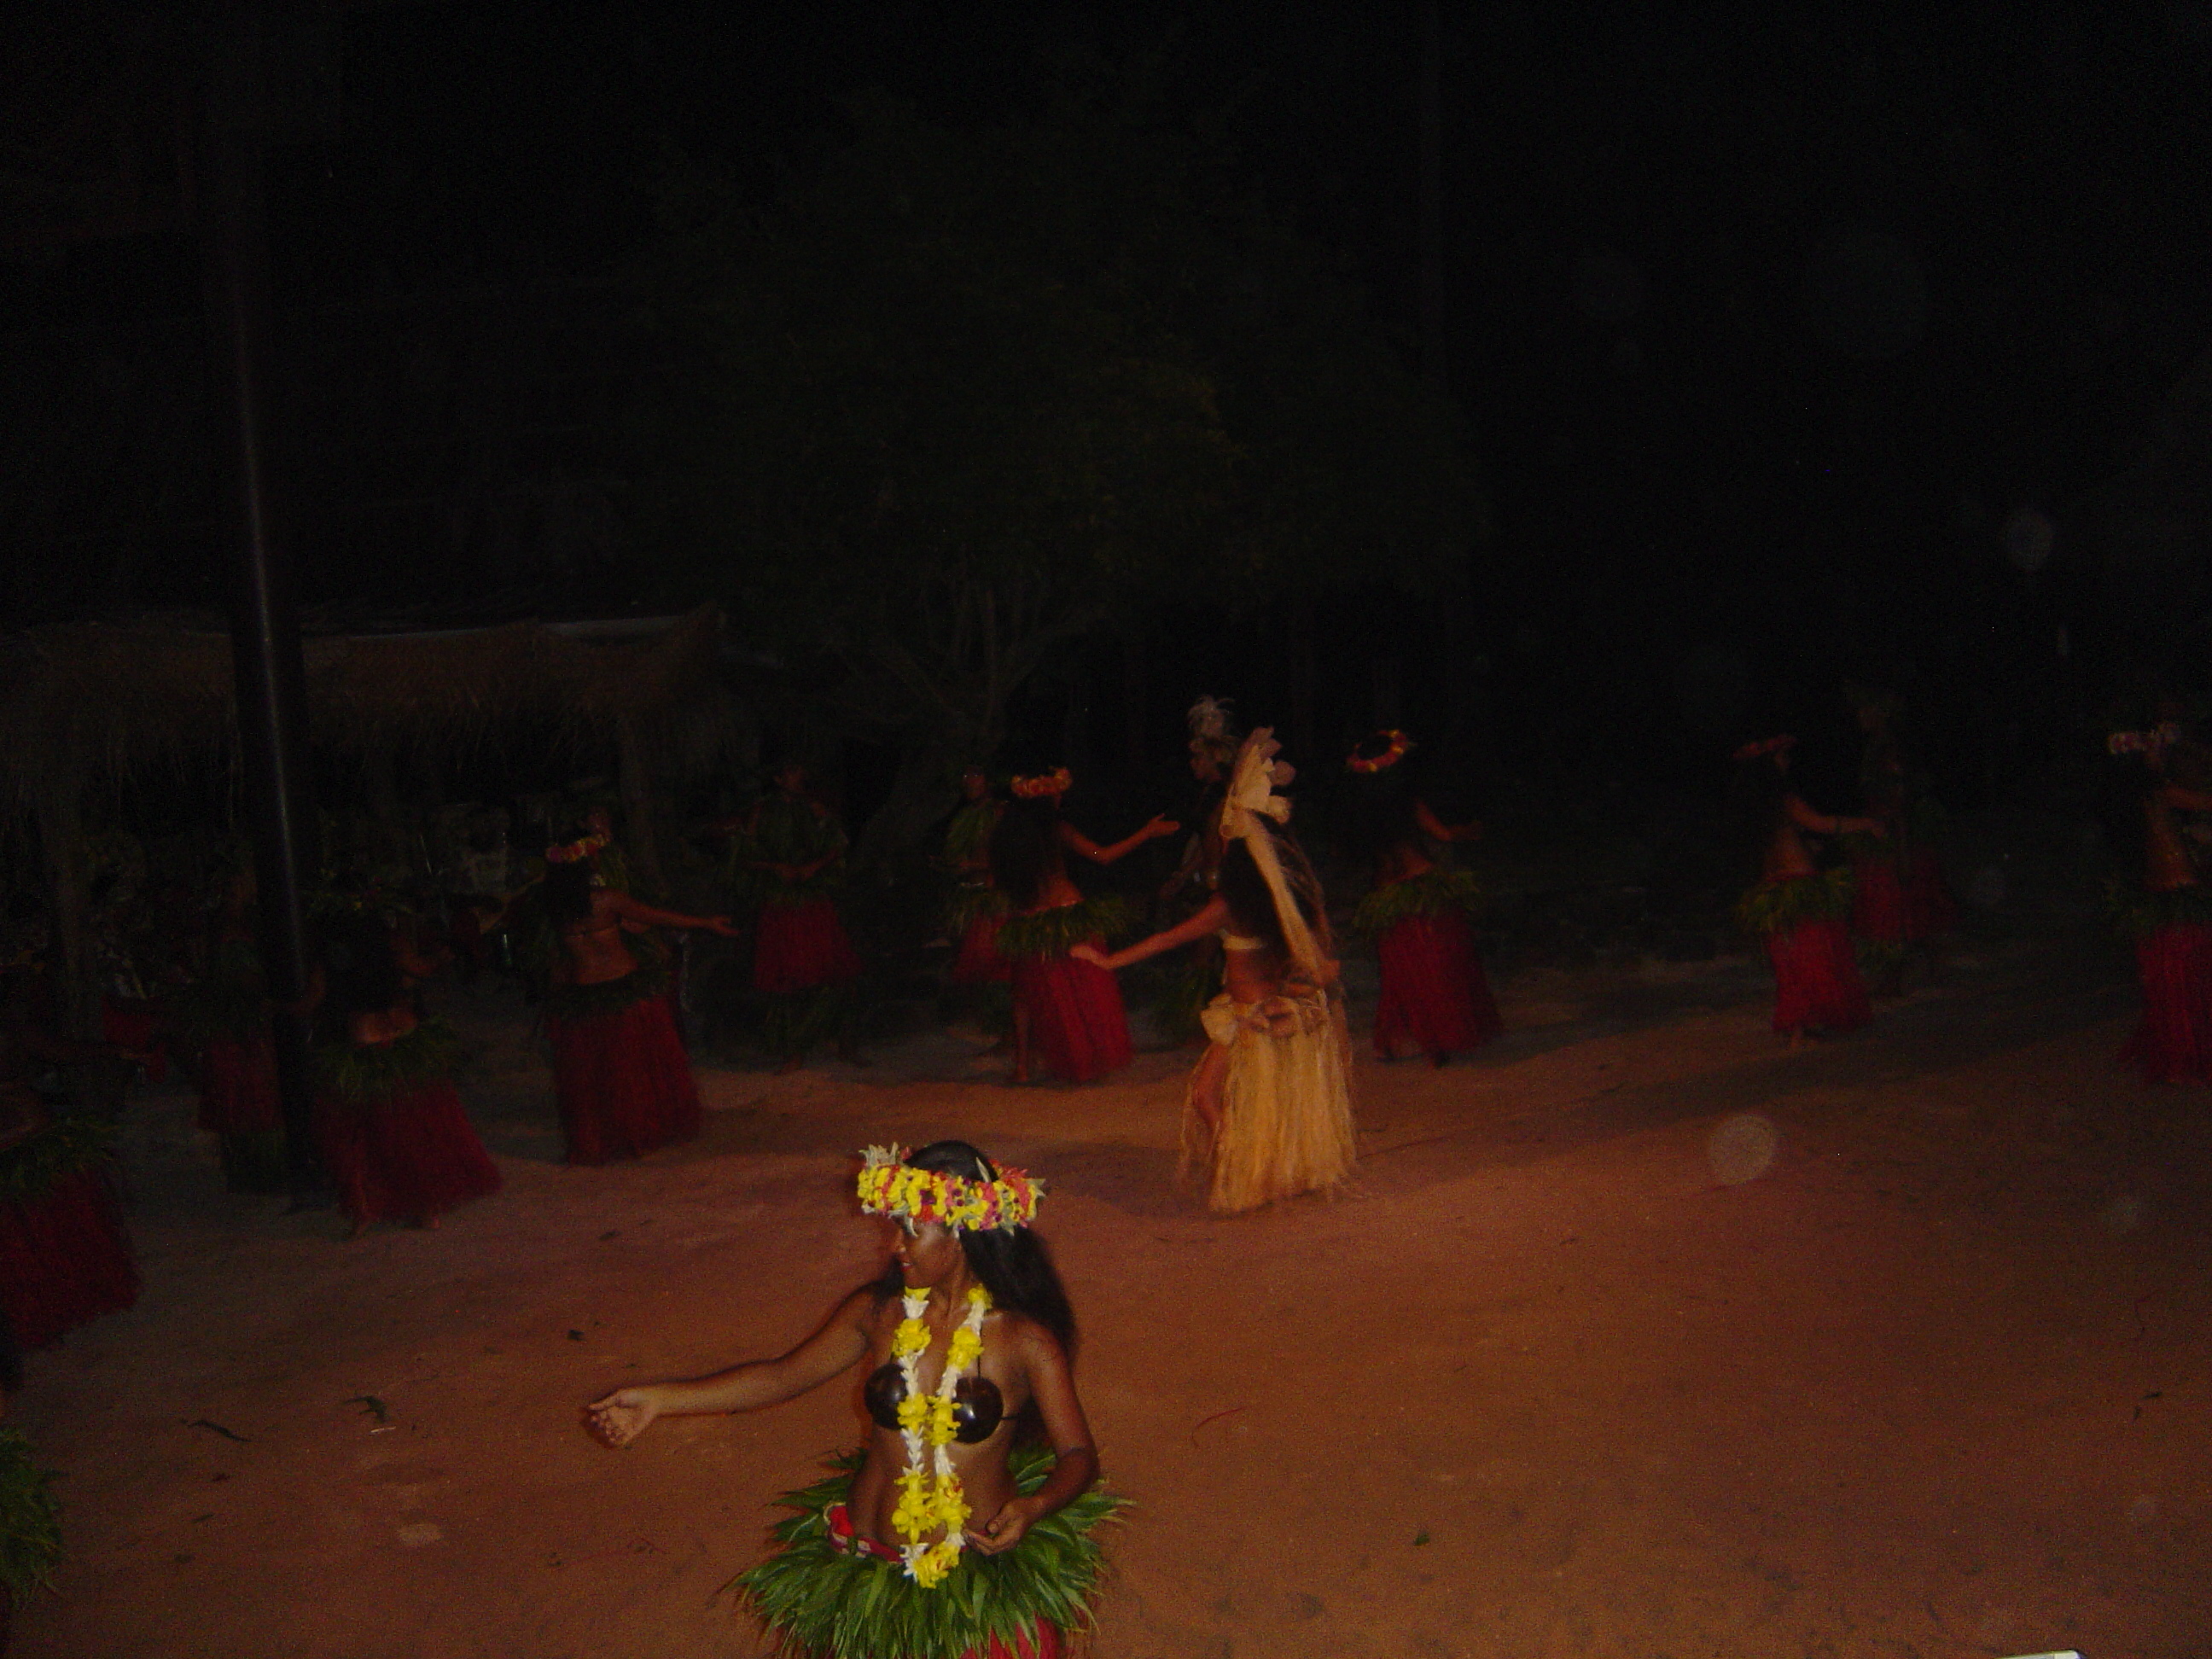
(2154, 741)
(1399, 743)
(575, 851)
(1057, 782)
(1780, 744)
(890, 1186)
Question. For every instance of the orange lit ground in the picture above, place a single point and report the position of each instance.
(1934, 1384)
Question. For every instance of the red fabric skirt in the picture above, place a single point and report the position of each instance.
(1878, 905)
(624, 1082)
(979, 960)
(238, 1087)
(136, 1028)
(1929, 911)
(1078, 1026)
(1436, 999)
(1816, 979)
(2173, 1042)
(405, 1158)
(796, 947)
(65, 1258)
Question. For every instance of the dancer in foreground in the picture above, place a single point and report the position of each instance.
(1269, 1106)
(619, 1068)
(1067, 1014)
(953, 1535)
(1798, 909)
(2166, 907)
(1436, 999)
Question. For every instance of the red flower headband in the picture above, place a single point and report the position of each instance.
(1399, 743)
(1057, 782)
(576, 851)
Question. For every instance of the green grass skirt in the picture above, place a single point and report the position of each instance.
(1777, 906)
(30, 1523)
(818, 1601)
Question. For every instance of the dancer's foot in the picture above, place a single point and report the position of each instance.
(1440, 1059)
(357, 1231)
(790, 1065)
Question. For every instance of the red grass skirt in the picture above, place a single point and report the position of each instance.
(1878, 904)
(979, 961)
(238, 1087)
(406, 1157)
(1816, 978)
(65, 1258)
(1436, 999)
(2173, 1043)
(623, 1080)
(796, 947)
(1077, 1027)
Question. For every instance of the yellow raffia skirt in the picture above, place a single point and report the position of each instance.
(1286, 1101)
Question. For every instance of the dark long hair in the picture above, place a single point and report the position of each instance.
(1758, 797)
(1025, 850)
(1250, 901)
(366, 977)
(1012, 1263)
(568, 891)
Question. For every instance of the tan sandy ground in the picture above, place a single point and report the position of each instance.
(1932, 1384)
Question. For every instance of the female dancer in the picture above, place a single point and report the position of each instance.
(2169, 912)
(978, 908)
(1269, 1106)
(946, 1537)
(619, 1067)
(388, 1121)
(1898, 900)
(1436, 999)
(791, 854)
(1796, 907)
(1065, 1011)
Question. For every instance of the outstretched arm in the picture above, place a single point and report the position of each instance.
(840, 1343)
(630, 910)
(1076, 841)
(1806, 818)
(1053, 1387)
(1437, 830)
(1213, 917)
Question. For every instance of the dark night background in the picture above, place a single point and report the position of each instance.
(1761, 327)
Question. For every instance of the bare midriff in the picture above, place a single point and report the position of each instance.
(986, 1481)
(594, 949)
(2166, 858)
(1787, 855)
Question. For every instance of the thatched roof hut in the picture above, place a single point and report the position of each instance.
(91, 703)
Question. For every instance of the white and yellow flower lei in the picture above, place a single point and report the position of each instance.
(930, 1494)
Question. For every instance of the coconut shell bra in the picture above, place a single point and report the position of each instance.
(977, 1408)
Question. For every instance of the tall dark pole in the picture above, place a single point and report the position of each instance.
(1432, 191)
(265, 629)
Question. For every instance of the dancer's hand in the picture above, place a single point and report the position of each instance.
(1004, 1530)
(622, 1416)
(723, 926)
(1089, 953)
(1161, 825)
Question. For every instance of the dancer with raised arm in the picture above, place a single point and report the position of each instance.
(1268, 1110)
(1069, 1020)
(791, 858)
(952, 1535)
(1436, 999)
(2164, 905)
(1798, 909)
(619, 1067)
